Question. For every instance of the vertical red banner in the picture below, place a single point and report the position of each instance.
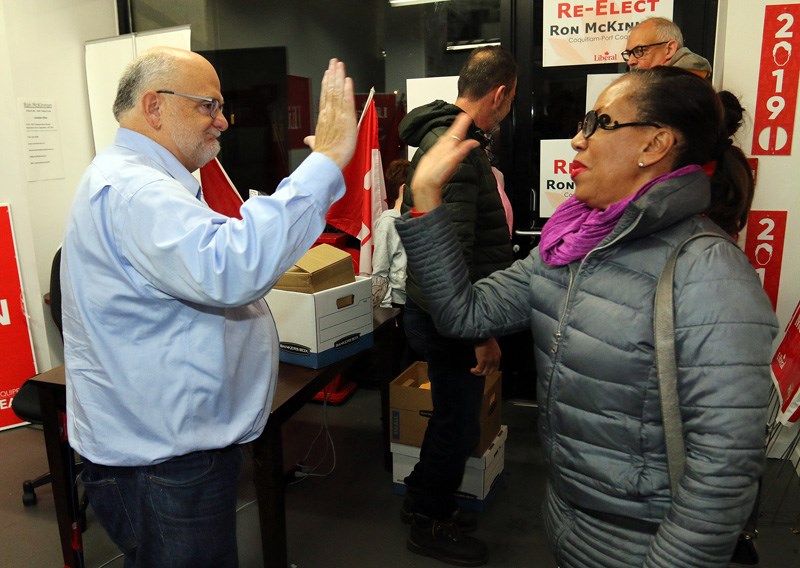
(776, 102)
(16, 349)
(766, 231)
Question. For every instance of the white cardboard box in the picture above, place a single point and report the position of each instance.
(479, 475)
(318, 329)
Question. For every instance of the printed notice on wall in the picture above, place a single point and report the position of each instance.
(589, 32)
(42, 140)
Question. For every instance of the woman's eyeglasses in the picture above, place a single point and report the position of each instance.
(592, 121)
(212, 107)
(639, 51)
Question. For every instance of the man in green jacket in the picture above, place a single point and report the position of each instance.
(659, 41)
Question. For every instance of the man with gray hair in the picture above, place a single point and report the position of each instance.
(659, 41)
(170, 349)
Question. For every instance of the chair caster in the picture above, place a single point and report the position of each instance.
(28, 494)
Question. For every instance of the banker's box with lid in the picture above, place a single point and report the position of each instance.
(322, 311)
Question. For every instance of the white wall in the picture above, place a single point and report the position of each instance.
(742, 23)
(41, 57)
(739, 31)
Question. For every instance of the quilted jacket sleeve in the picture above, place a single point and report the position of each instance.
(493, 306)
(724, 328)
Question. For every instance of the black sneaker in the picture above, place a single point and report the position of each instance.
(745, 553)
(444, 541)
(466, 522)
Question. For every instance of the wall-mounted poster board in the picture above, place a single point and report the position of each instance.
(16, 345)
(106, 60)
(420, 92)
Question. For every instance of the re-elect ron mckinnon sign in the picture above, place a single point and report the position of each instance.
(16, 349)
(587, 32)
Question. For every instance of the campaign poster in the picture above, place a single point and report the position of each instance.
(596, 84)
(764, 245)
(16, 346)
(555, 183)
(786, 371)
(776, 100)
(591, 32)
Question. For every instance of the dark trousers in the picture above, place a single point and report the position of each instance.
(454, 427)
(180, 513)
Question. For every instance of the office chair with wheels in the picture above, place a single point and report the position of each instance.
(26, 402)
(26, 406)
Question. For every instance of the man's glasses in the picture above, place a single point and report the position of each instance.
(639, 51)
(211, 107)
(592, 121)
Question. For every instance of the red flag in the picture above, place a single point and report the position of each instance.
(365, 198)
(219, 191)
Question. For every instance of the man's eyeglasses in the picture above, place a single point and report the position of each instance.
(211, 107)
(639, 51)
(592, 121)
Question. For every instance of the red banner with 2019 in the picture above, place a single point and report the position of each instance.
(16, 351)
(773, 126)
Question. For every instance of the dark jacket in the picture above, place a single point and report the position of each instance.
(471, 196)
(592, 323)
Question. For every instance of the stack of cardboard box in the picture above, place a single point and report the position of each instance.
(322, 310)
(411, 406)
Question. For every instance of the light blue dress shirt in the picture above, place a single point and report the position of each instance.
(169, 346)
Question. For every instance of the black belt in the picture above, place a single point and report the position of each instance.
(629, 523)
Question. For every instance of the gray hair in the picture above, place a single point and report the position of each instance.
(151, 70)
(665, 30)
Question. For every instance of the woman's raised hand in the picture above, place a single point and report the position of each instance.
(437, 166)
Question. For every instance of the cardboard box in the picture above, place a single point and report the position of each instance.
(411, 406)
(315, 330)
(321, 268)
(480, 475)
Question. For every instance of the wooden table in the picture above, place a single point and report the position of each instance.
(296, 386)
(51, 386)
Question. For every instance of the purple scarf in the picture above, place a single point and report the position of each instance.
(575, 228)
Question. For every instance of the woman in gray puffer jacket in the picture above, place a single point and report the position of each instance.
(587, 293)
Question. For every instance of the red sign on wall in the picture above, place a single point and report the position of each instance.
(776, 102)
(766, 231)
(16, 349)
(786, 370)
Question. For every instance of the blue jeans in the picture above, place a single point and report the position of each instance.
(179, 513)
(454, 427)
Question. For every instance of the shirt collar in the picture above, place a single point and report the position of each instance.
(160, 156)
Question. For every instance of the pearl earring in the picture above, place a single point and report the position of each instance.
(641, 164)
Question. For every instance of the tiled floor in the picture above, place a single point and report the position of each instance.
(350, 518)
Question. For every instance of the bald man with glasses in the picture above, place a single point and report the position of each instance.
(659, 41)
(170, 350)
